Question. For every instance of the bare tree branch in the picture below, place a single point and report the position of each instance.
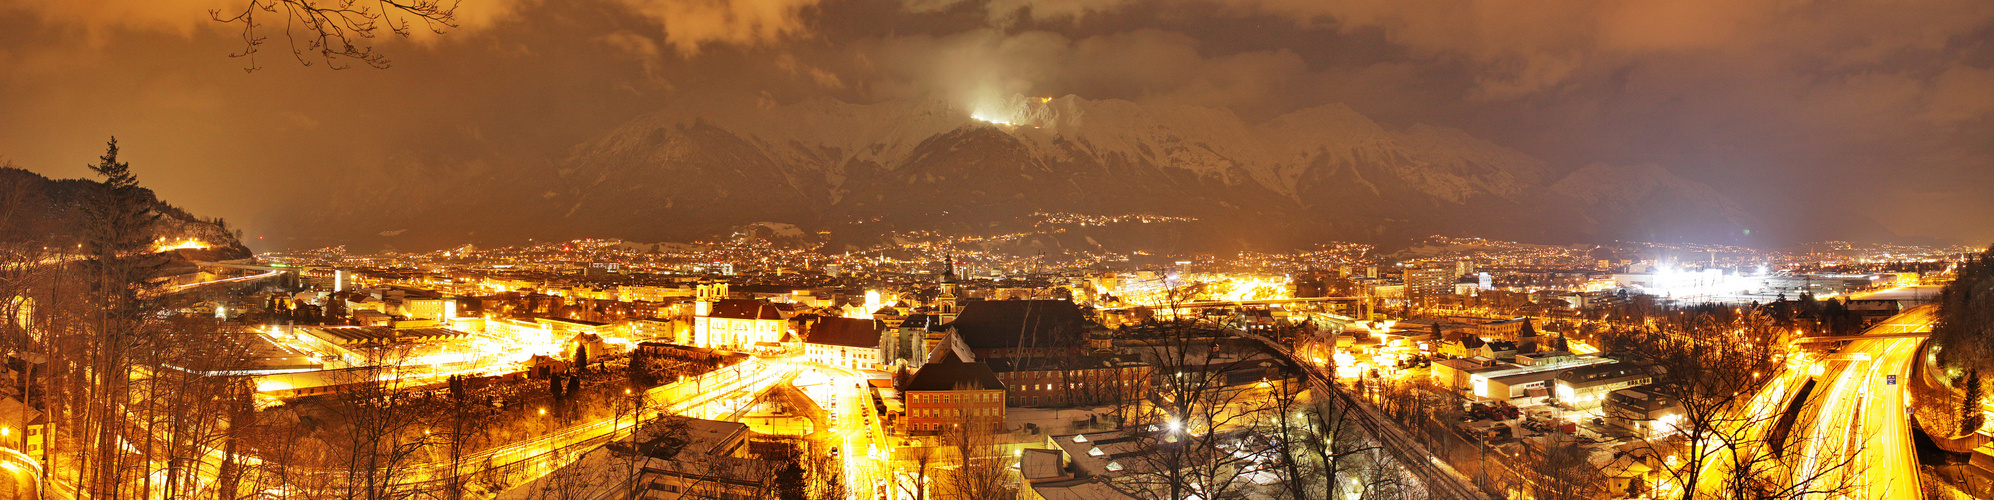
(337, 31)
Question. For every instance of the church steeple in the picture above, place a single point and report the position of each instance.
(946, 300)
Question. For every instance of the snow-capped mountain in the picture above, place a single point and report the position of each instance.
(700, 167)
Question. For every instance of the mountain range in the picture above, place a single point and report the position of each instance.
(698, 168)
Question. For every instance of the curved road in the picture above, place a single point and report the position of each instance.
(23, 477)
(1861, 417)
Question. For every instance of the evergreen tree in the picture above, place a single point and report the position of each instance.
(1970, 415)
(1964, 333)
(574, 385)
(789, 482)
(120, 266)
(554, 385)
(581, 355)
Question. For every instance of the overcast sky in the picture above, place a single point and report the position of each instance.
(1807, 113)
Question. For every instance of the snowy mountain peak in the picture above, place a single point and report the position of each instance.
(825, 158)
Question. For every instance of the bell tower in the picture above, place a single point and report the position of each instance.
(947, 299)
(704, 295)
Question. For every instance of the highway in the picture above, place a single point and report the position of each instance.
(1859, 417)
(1751, 424)
(235, 279)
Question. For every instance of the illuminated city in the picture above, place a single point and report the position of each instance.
(839, 249)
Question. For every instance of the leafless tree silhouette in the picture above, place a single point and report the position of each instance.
(336, 32)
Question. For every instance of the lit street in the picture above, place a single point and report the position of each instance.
(1861, 416)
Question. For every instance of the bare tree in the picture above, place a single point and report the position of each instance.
(1562, 471)
(118, 266)
(337, 31)
(1190, 439)
(467, 419)
(976, 467)
(568, 483)
(1316, 442)
(914, 470)
(383, 427)
(1713, 370)
(184, 397)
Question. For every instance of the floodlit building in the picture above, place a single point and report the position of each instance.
(952, 389)
(23, 428)
(1586, 387)
(845, 343)
(737, 324)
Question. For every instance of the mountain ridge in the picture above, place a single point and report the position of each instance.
(697, 167)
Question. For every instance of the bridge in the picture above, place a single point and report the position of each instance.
(1231, 303)
(1850, 338)
(242, 266)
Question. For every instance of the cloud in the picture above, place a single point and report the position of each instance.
(688, 24)
(97, 19)
(1961, 95)
(691, 24)
(821, 77)
(987, 67)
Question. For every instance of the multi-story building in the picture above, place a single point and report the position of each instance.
(736, 324)
(951, 390)
(1072, 380)
(849, 343)
(1428, 282)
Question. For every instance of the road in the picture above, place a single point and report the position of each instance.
(863, 448)
(177, 288)
(23, 475)
(1859, 417)
(1751, 424)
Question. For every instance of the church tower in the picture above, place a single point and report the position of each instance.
(704, 295)
(947, 300)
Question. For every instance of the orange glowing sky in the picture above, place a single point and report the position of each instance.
(1819, 115)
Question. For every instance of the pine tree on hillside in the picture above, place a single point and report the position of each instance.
(1970, 414)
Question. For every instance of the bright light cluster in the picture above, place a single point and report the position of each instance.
(1015, 111)
(185, 244)
(1685, 283)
